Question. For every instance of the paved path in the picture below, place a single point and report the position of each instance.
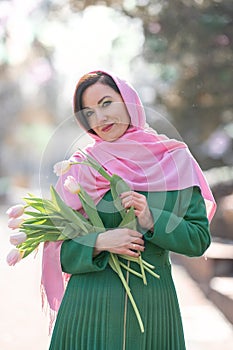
(23, 326)
(205, 327)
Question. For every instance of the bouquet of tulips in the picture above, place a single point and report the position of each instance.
(42, 220)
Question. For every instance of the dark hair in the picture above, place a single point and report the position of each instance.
(86, 81)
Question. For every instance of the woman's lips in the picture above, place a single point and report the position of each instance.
(107, 127)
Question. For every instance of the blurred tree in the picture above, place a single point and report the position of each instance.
(192, 41)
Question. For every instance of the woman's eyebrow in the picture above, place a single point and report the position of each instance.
(99, 102)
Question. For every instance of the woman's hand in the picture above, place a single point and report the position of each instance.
(141, 208)
(120, 241)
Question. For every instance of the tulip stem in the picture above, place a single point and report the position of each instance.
(114, 263)
(130, 270)
(151, 272)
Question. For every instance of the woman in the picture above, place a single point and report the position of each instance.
(172, 203)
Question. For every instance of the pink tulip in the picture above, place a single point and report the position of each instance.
(61, 168)
(71, 185)
(18, 238)
(15, 211)
(14, 256)
(15, 222)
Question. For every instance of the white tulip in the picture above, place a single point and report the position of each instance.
(14, 256)
(18, 238)
(62, 167)
(15, 211)
(15, 222)
(71, 185)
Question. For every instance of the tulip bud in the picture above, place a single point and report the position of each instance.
(62, 167)
(15, 222)
(71, 185)
(15, 211)
(18, 238)
(14, 256)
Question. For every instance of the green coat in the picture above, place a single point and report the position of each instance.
(95, 313)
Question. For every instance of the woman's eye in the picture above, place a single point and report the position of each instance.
(88, 114)
(106, 103)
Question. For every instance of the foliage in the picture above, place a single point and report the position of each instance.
(195, 37)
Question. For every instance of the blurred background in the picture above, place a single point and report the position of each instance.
(178, 55)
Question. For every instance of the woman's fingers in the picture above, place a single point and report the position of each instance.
(136, 247)
(141, 209)
(137, 241)
(133, 234)
(120, 241)
(132, 253)
(133, 199)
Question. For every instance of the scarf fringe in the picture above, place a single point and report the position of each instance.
(46, 308)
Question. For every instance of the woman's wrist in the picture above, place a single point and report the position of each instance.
(97, 248)
(148, 223)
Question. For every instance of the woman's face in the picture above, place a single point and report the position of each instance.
(105, 112)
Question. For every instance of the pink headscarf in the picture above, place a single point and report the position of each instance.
(145, 160)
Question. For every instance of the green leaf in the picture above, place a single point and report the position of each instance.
(118, 186)
(35, 221)
(68, 233)
(44, 220)
(129, 220)
(41, 205)
(33, 213)
(29, 250)
(69, 213)
(42, 227)
(90, 209)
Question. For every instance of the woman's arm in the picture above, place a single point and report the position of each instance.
(77, 255)
(186, 229)
(90, 253)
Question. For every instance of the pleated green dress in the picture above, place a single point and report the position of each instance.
(95, 313)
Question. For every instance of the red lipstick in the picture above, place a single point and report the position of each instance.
(107, 127)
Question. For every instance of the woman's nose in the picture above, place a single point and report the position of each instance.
(100, 115)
